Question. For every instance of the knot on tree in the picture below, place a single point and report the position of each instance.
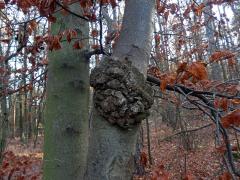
(121, 95)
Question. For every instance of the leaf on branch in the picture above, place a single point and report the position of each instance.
(163, 85)
(166, 79)
(232, 61)
(70, 34)
(33, 24)
(235, 101)
(199, 9)
(181, 67)
(113, 3)
(103, 2)
(154, 71)
(52, 19)
(78, 45)
(2, 5)
(86, 3)
(90, 16)
(221, 55)
(24, 5)
(222, 103)
(44, 62)
(54, 42)
(233, 118)
(160, 8)
(198, 71)
(94, 33)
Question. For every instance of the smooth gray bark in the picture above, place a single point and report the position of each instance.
(67, 104)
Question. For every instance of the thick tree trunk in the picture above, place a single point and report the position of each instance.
(112, 148)
(67, 104)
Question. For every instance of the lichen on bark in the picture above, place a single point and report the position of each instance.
(121, 94)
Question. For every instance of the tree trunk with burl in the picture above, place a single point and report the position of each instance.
(122, 97)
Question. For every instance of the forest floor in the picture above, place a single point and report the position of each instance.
(169, 158)
(186, 156)
(22, 161)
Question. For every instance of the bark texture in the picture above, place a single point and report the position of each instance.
(67, 105)
(121, 94)
(111, 148)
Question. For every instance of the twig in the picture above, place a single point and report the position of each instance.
(183, 132)
(71, 12)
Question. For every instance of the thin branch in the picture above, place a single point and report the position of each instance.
(186, 90)
(186, 131)
(71, 12)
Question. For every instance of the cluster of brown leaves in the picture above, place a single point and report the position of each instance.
(224, 103)
(187, 74)
(232, 118)
(194, 75)
(221, 55)
(54, 41)
(197, 9)
(165, 9)
(46, 8)
(195, 71)
(20, 167)
(166, 78)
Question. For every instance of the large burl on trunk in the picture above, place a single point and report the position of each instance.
(121, 94)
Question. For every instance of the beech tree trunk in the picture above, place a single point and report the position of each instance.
(67, 104)
(112, 147)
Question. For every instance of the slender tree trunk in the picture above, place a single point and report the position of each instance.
(25, 99)
(149, 142)
(21, 133)
(112, 148)
(67, 104)
(4, 108)
(210, 27)
(14, 119)
(4, 126)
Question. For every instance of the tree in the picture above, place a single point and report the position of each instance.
(67, 103)
(121, 96)
(191, 39)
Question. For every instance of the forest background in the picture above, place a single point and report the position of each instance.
(188, 53)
